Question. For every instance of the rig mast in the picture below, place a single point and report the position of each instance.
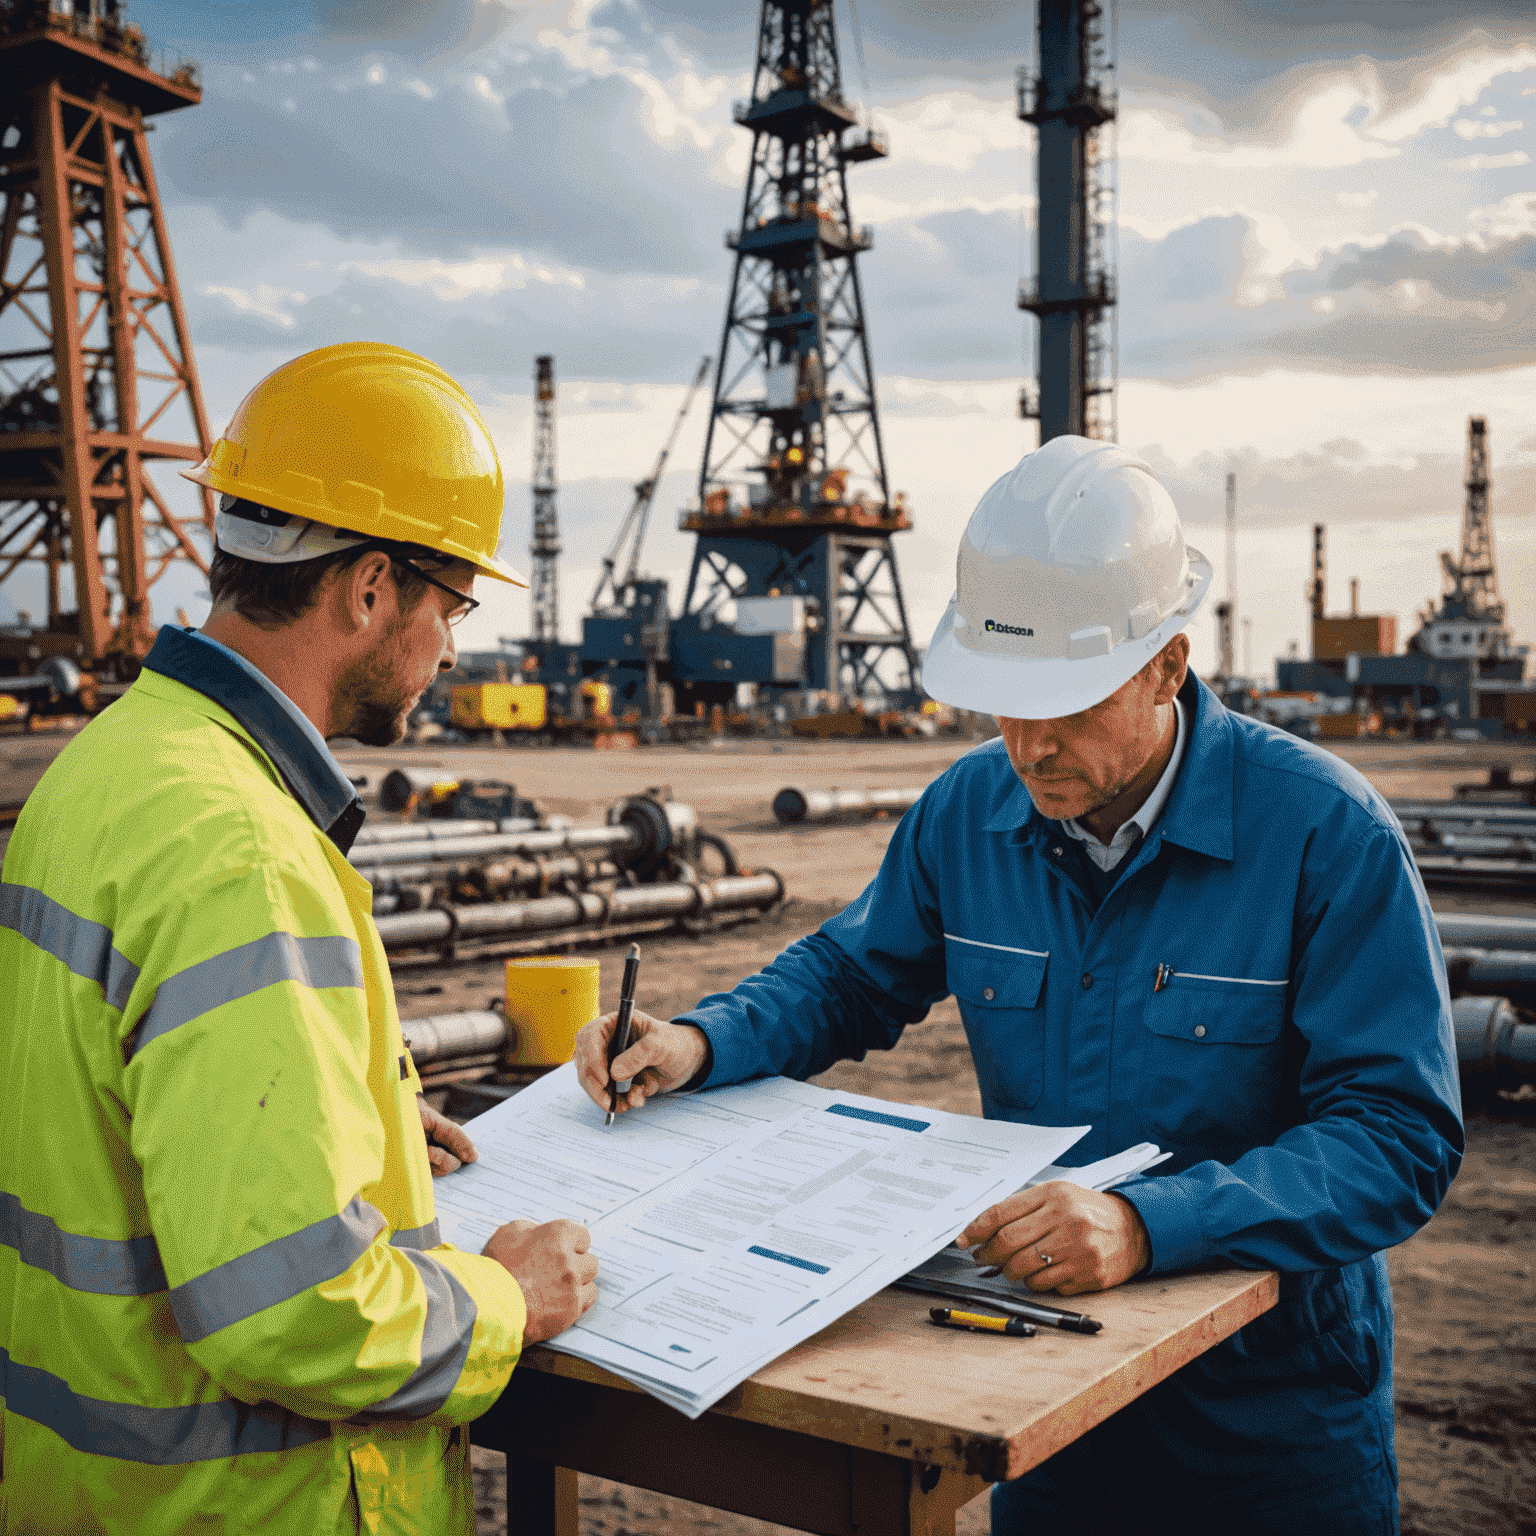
(1473, 580)
(544, 547)
(794, 499)
(97, 378)
(1070, 103)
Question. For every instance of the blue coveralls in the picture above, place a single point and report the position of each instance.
(1300, 1066)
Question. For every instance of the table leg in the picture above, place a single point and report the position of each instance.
(541, 1499)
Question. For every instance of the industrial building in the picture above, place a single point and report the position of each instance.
(1461, 668)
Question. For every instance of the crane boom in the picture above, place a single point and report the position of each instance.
(636, 520)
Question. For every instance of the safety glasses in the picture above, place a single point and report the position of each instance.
(464, 605)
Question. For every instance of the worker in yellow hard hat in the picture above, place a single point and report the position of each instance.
(224, 1302)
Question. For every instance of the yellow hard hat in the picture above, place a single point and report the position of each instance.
(372, 439)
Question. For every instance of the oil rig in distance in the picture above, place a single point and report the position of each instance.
(97, 378)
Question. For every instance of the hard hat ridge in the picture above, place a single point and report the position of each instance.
(370, 439)
(1072, 573)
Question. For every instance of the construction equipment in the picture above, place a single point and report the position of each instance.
(97, 377)
(794, 498)
(1070, 102)
(1461, 670)
(498, 707)
(544, 546)
(608, 596)
(1226, 611)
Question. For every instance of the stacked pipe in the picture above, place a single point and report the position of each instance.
(1458, 842)
(792, 805)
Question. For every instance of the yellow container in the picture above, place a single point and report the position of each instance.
(549, 998)
(498, 706)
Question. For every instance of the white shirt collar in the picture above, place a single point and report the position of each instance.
(1107, 856)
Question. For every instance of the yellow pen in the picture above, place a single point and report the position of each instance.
(978, 1322)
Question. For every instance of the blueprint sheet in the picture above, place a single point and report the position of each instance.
(733, 1224)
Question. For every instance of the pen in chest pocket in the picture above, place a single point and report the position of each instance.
(1162, 977)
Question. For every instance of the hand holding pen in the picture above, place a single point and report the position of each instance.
(619, 1042)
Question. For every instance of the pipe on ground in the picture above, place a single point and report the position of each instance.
(583, 909)
(792, 806)
(1492, 1045)
(443, 1036)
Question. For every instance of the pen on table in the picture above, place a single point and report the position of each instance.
(1014, 1306)
(976, 1322)
(620, 1041)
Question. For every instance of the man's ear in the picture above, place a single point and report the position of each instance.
(361, 589)
(1173, 667)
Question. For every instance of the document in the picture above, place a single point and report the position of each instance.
(731, 1225)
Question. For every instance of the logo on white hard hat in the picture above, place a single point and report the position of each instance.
(1084, 535)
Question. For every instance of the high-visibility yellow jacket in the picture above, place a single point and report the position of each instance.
(223, 1301)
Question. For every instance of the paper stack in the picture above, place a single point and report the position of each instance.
(733, 1224)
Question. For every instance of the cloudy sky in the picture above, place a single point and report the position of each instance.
(1327, 252)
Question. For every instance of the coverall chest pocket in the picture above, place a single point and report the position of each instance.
(1000, 992)
(1213, 1059)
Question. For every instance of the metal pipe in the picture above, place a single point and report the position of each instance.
(792, 806)
(386, 880)
(426, 831)
(614, 840)
(1494, 816)
(1491, 1042)
(442, 1035)
(440, 925)
(1484, 930)
(1479, 874)
(1475, 845)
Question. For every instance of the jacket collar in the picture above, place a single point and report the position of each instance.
(313, 776)
(1199, 812)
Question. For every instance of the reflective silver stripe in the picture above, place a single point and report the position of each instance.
(162, 1437)
(417, 1237)
(1007, 949)
(275, 1272)
(100, 1266)
(330, 961)
(445, 1340)
(83, 947)
(1246, 981)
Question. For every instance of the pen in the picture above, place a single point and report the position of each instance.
(1014, 1306)
(620, 1041)
(975, 1322)
(1162, 978)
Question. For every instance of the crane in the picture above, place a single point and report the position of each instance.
(632, 529)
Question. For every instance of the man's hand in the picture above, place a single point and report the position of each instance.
(454, 1149)
(660, 1057)
(554, 1268)
(1062, 1238)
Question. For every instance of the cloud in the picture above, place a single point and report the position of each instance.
(1496, 162)
(265, 302)
(1471, 128)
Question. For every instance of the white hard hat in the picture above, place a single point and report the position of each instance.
(1073, 573)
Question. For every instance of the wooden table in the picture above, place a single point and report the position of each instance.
(881, 1423)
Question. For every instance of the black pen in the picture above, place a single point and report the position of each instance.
(619, 1043)
(1014, 1306)
(976, 1322)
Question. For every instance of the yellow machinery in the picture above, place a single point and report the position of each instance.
(498, 706)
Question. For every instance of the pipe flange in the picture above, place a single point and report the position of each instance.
(449, 948)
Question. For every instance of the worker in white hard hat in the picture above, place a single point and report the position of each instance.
(1176, 925)
(225, 1304)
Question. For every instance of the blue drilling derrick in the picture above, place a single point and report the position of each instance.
(794, 516)
(1070, 103)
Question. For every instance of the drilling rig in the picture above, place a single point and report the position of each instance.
(97, 378)
(1071, 104)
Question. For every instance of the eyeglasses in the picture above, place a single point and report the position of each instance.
(464, 605)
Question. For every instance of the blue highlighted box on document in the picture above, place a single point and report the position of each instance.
(901, 1122)
(789, 1258)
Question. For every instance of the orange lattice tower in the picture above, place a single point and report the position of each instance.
(96, 369)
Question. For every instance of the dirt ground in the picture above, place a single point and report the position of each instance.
(1465, 1285)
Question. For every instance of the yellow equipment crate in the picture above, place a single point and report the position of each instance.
(498, 706)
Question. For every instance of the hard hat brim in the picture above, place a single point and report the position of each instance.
(1049, 687)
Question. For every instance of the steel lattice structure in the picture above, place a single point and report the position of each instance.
(1473, 580)
(794, 498)
(1072, 105)
(96, 366)
(544, 547)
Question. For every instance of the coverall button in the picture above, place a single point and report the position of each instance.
(988, 993)
(1200, 1031)
(1057, 850)
(1087, 981)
